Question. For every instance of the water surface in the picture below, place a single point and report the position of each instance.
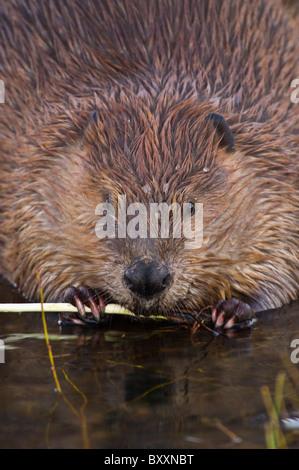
(145, 385)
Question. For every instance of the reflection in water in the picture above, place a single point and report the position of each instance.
(143, 385)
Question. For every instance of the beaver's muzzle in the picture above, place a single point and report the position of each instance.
(147, 279)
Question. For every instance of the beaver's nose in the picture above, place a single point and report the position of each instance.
(147, 279)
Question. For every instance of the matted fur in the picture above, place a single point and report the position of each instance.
(153, 70)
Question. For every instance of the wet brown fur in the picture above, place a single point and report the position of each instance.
(153, 70)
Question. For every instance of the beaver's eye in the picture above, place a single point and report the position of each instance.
(107, 198)
(191, 208)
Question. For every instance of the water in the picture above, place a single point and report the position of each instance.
(136, 385)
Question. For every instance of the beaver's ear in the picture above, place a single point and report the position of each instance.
(223, 131)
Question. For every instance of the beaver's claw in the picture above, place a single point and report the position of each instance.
(232, 314)
(81, 296)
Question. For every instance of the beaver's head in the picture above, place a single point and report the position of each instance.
(137, 164)
(104, 211)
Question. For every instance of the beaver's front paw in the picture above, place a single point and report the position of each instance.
(79, 297)
(232, 314)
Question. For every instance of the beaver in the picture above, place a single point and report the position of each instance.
(171, 100)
